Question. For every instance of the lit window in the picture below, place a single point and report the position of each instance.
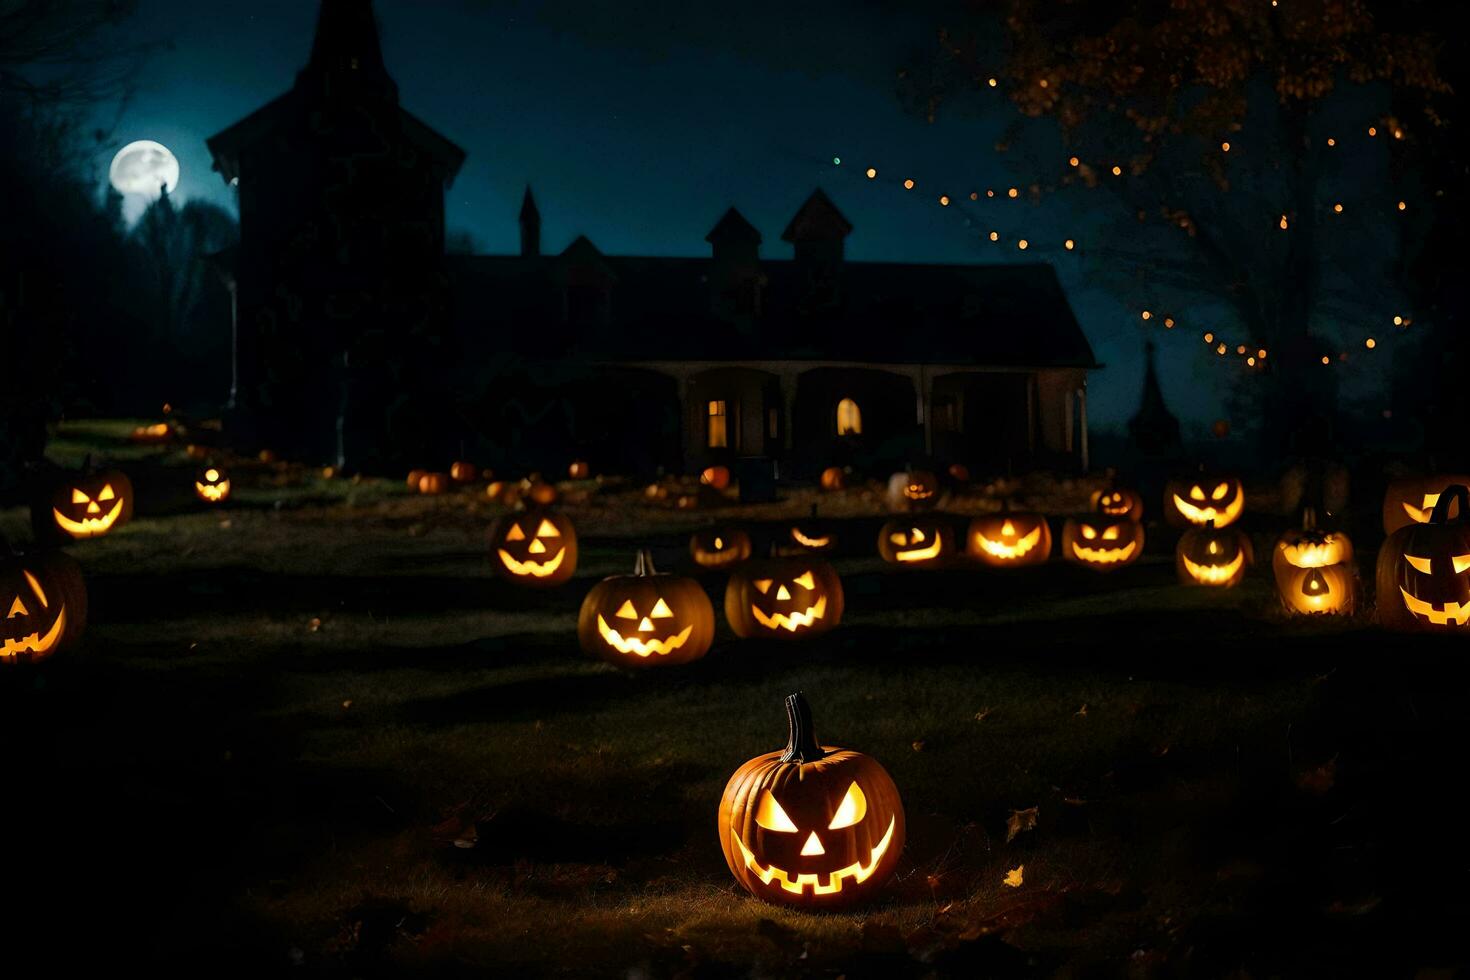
(717, 439)
(849, 418)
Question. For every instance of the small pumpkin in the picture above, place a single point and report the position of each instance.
(537, 492)
(463, 471)
(414, 476)
(83, 505)
(535, 548)
(212, 485)
(809, 535)
(1213, 556)
(1411, 500)
(433, 484)
(811, 826)
(719, 547)
(1101, 543)
(715, 476)
(1009, 539)
(43, 605)
(502, 492)
(580, 470)
(159, 432)
(784, 598)
(916, 541)
(1204, 499)
(1118, 503)
(959, 472)
(834, 478)
(1423, 570)
(646, 619)
(913, 490)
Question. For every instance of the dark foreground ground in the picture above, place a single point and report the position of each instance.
(318, 735)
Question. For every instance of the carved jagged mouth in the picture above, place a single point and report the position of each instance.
(857, 871)
(1214, 574)
(1203, 515)
(36, 643)
(1456, 612)
(807, 542)
(1105, 556)
(920, 554)
(1312, 555)
(532, 568)
(1000, 549)
(213, 492)
(915, 493)
(88, 526)
(791, 622)
(637, 645)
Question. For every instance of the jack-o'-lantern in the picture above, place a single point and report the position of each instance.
(414, 476)
(536, 548)
(1214, 556)
(811, 826)
(913, 490)
(715, 476)
(834, 478)
(433, 484)
(83, 505)
(810, 535)
(646, 619)
(159, 432)
(501, 492)
(43, 605)
(212, 485)
(1310, 547)
(783, 598)
(1411, 500)
(719, 547)
(1009, 539)
(1203, 499)
(1127, 504)
(1424, 569)
(916, 541)
(580, 470)
(1101, 543)
(462, 471)
(1313, 570)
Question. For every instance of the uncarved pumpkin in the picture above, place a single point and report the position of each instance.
(646, 619)
(433, 484)
(715, 476)
(834, 478)
(463, 471)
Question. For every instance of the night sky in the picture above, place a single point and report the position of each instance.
(638, 124)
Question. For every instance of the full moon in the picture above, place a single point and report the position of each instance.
(142, 167)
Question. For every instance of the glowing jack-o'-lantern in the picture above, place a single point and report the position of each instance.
(579, 469)
(1313, 570)
(1424, 569)
(1127, 504)
(536, 548)
(719, 547)
(810, 535)
(462, 471)
(1215, 556)
(433, 484)
(86, 505)
(916, 541)
(646, 619)
(1412, 500)
(43, 605)
(1201, 500)
(715, 476)
(811, 826)
(414, 476)
(1101, 543)
(1009, 539)
(159, 432)
(783, 598)
(913, 490)
(212, 485)
(834, 478)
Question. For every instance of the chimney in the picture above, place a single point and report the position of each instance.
(530, 226)
(816, 233)
(735, 275)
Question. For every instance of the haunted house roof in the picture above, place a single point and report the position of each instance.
(659, 309)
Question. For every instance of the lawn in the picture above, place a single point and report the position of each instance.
(312, 729)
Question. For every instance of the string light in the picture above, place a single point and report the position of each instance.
(1221, 349)
(1370, 343)
(1261, 353)
(1023, 244)
(1337, 208)
(1331, 141)
(1168, 323)
(1398, 134)
(1240, 349)
(1372, 130)
(1283, 223)
(1403, 205)
(1225, 147)
(836, 161)
(944, 200)
(995, 236)
(1209, 338)
(1012, 193)
(1398, 321)
(908, 185)
(989, 192)
(974, 195)
(1074, 161)
(992, 83)
(1043, 83)
(1117, 171)
(1069, 244)
(1146, 315)
(1326, 359)
(1251, 361)
(872, 173)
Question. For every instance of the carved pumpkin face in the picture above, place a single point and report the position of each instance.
(646, 619)
(1412, 500)
(915, 541)
(212, 485)
(1424, 569)
(783, 598)
(810, 535)
(1326, 589)
(1102, 543)
(914, 490)
(43, 607)
(1118, 503)
(536, 548)
(719, 547)
(1009, 539)
(1212, 556)
(1204, 500)
(811, 826)
(85, 506)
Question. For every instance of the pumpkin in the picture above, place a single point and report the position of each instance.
(646, 619)
(1118, 503)
(1214, 556)
(212, 485)
(1101, 543)
(1412, 500)
(1009, 539)
(580, 470)
(1204, 499)
(81, 505)
(959, 472)
(159, 432)
(785, 598)
(43, 605)
(433, 484)
(913, 490)
(810, 535)
(414, 476)
(538, 492)
(1424, 569)
(267, 456)
(196, 451)
(719, 547)
(715, 476)
(461, 471)
(1310, 547)
(834, 478)
(503, 492)
(536, 548)
(916, 541)
(811, 826)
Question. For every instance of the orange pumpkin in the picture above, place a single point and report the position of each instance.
(1204, 499)
(43, 605)
(1213, 556)
(719, 547)
(834, 478)
(414, 476)
(1411, 500)
(461, 471)
(536, 548)
(580, 470)
(646, 619)
(433, 484)
(1009, 539)
(715, 476)
(89, 504)
(913, 490)
(783, 598)
(1101, 543)
(1118, 503)
(1424, 569)
(916, 541)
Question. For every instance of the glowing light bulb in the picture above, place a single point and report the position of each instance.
(1326, 359)
(1225, 147)
(1209, 338)
(1403, 205)
(872, 173)
(1251, 361)
(1283, 222)
(1337, 208)
(836, 161)
(908, 185)
(1069, 245)
(1398, 321)
(1074, 161)
(1117, 171)
(1146, 314)
(1220, 350)
(1370, 343)
(995, 236)
(1043, 83)
(1023, 244)
(1012, 192)
(974, 195)
(991, 83)
(1168, 323)
(1372, 130)
(1331, 141)
(1240, 348)
(1261, 353)
(944, 200)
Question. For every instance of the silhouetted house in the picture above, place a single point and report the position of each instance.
(632, 361)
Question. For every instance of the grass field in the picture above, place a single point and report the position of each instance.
(312, 730)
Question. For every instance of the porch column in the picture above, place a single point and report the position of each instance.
(787, 380)
(1082, 421)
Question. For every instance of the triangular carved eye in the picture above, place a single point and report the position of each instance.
(770, 815)
(77, 497)
(106, 493)
(805, 580)
(1420, 563)
(17, 608)
(1461, 562)
(661, 610)
(1197, 493)
(763, 585)
(515, 533)
(547, 530)
(1110, 533)
(1221, 491)
(853, 808)
(626, 610)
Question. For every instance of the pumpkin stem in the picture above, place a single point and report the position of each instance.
(643, 564)
(1456, 492)
(802, 745)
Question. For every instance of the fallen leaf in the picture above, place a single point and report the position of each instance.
(919, 745)
(347, 703)
(982, 715)
(1082, 711)
(1021, 821)
(1015, 876)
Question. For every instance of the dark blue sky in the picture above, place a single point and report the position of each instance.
(639, 123)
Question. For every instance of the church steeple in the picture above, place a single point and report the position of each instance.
(1154, 429)
(530, 226)
(346, 58)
